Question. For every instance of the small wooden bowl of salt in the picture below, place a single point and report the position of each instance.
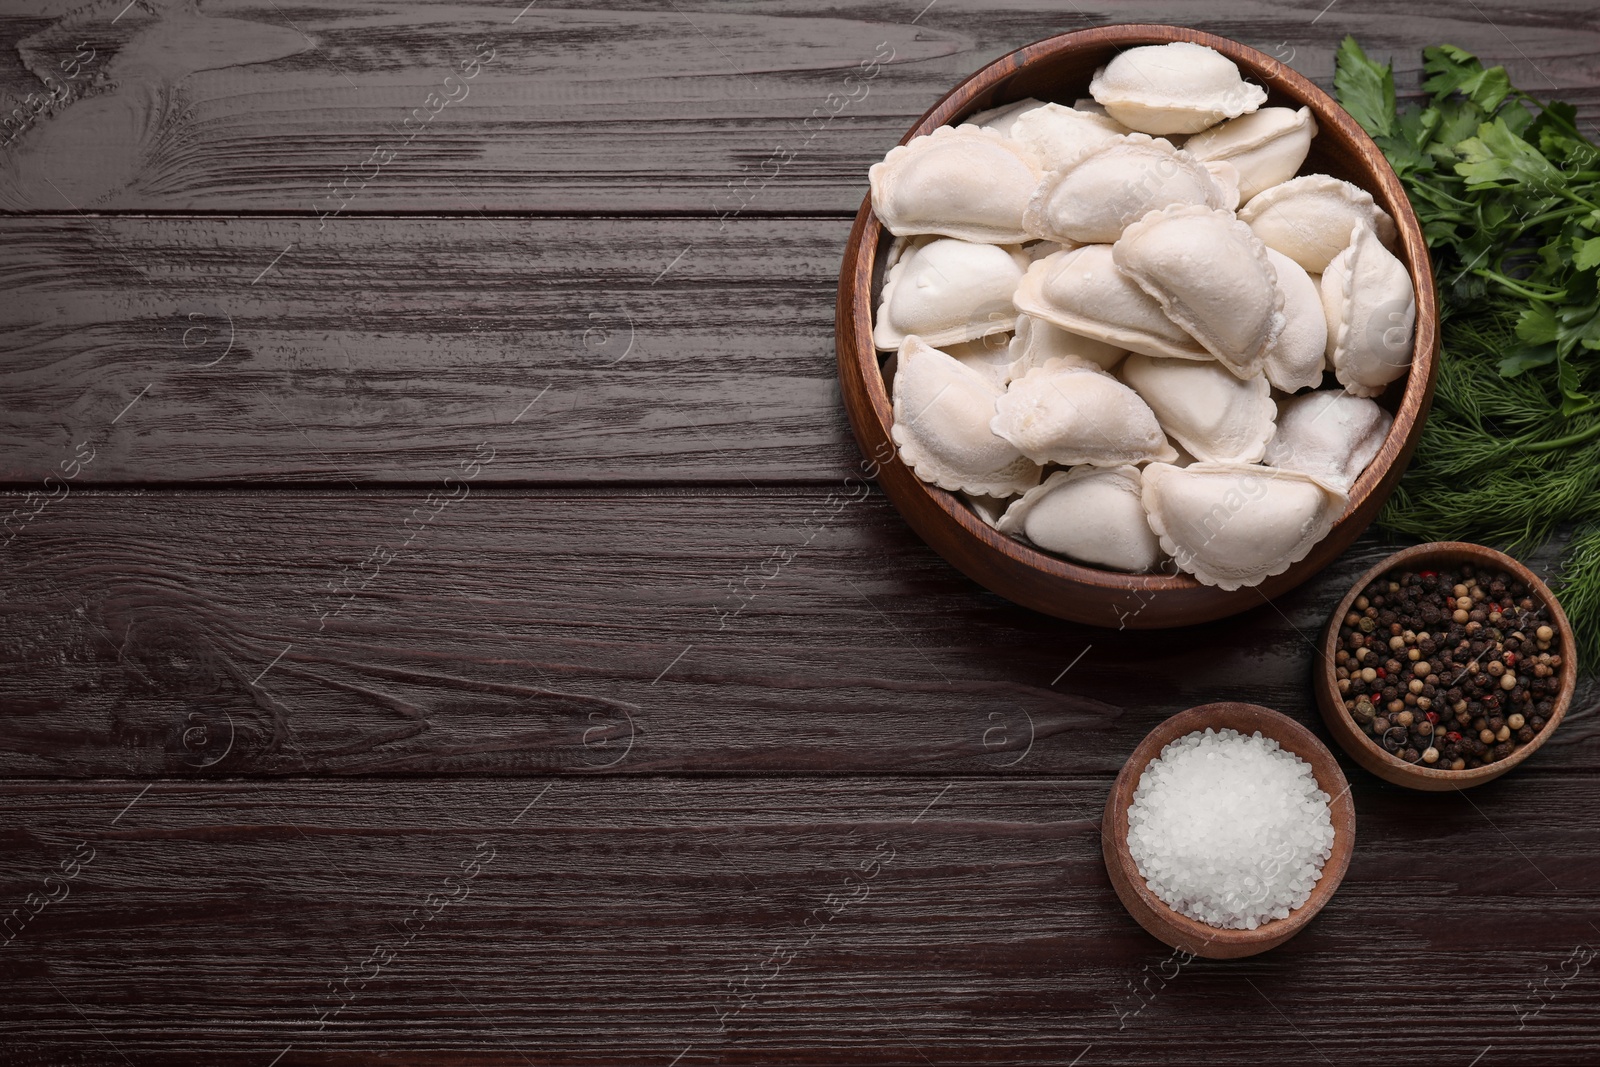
(1170, 824)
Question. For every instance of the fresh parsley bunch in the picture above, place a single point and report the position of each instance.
(1508, 193)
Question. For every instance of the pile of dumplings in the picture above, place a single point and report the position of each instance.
(1110, 323)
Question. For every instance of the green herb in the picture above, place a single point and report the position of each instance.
(1508, 193)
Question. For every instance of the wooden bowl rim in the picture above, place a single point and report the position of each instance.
(1445, 551)
(1292, 736)
(1417, 394)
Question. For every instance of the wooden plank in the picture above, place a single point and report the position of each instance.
(386, 350)
(736, 920)
(244, 105)
(724, 764)
(583, 631)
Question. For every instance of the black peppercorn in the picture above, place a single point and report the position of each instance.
(1480, 677)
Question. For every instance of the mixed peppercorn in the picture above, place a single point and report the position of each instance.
(1451, 669)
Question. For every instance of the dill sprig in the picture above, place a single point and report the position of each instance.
(1497, 460)
(1579, 590)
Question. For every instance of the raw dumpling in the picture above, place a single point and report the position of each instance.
(1296, 359)
(1266, 147)
(987, 508)
(959, 181)
(1232, 525)
(1212, 277)
(1054, 135)
(1094, 199)
(1309, 218)
(942, 410)
(1092, 514)
(990, 355)
(1371, 308)
(1070, 414)
(1329, 435)
(1227, 178)
(1000, 119)
(946, 291)
(1036, 342)
(1082, 291)
(899, 247)
(1204, 407)
(1174, 88)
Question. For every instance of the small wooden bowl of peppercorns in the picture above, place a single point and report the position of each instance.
(1445, 666)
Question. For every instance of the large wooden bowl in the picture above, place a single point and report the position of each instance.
(1059, 69)
(1191, 935)
(1371, 755)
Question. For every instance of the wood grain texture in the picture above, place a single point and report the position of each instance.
(735, 688)
(523, 634)
(245, 105)
(384, 350)
(632, 921)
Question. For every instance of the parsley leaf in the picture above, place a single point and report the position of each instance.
(1365, 89)
(1497, 155)
(1587, 255)
(1457, 71)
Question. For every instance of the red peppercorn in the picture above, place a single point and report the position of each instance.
(1433, 716)
(1382, 673)
(1428, 574)
(1453, 735)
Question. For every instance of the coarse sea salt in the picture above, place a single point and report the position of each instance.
(1228, 829)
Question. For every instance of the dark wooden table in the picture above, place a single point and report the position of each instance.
(422, 644)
